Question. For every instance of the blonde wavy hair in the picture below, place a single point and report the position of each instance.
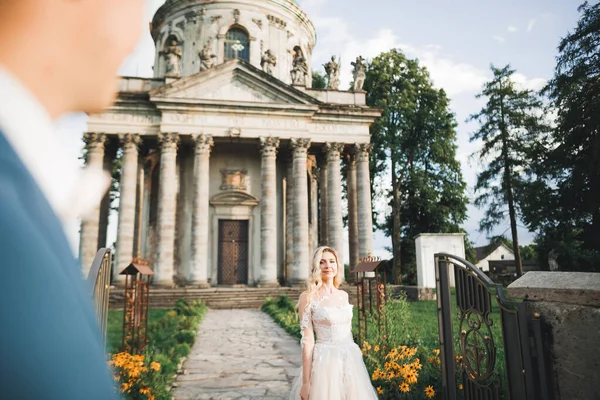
(315, 282)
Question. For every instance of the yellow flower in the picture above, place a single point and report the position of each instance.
(125, 387)
(376, 347)
(379, 390)
(404, 387)
(155, 366)
(145, 390)
(411, 377)
(436, 352)
(460, 386)
(429, 392)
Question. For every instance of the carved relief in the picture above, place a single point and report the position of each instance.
(289, 35)
(279, 23)
(94, 140)
(300, 146)
(269, 145)
(192, 16)
(234, 179)
(203, 13)
(258, 22)
(333, 150)
(180, 25)
(215, 18)
(203, 143)
(129, 140)
(236, 15)
(168, 141)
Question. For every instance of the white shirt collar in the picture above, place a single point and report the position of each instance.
(71, 191)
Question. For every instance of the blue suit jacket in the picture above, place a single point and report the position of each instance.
(50, 346)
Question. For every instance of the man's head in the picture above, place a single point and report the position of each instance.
(68, 52)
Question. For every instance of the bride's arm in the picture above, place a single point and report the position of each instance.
(308, 339)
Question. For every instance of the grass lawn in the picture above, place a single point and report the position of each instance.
(114, 332)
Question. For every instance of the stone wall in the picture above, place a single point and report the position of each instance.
(569, 306)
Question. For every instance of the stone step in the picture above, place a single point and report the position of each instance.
(218, 298)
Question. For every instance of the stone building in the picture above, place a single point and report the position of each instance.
(231, 163)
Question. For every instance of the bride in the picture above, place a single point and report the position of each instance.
(332, 368)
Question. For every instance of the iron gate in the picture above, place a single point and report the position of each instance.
(474, 362)
(233, 252)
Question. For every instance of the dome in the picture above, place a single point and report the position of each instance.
(195, 35)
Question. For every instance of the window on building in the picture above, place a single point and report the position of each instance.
(237, 44)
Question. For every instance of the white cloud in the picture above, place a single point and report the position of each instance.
(512, 29)
(531, 24)
(498, 38)
(524, 82)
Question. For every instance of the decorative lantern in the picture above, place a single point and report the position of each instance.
(135, 308)
(370, 282)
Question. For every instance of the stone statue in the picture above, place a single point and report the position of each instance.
(268, 61)
(332, 68)
(552, 262)
(173, 56)
(299, 68)
(207, 57)
(358, 74)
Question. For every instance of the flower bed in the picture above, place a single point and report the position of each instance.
(150, 375)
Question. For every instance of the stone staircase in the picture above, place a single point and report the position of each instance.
(219, 297)
(216, 298)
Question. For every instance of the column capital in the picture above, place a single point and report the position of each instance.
(300, 146)
(168, 141)
(94, 140)
(203, 143)
(363, 148)
(269, 145)
(333, 150)
(129, 140)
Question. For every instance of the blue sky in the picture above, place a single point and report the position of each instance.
(455, 39)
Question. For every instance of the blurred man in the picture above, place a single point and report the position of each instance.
(56, 56)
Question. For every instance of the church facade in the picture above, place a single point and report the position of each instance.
(230, 163)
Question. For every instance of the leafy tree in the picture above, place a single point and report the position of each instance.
(414, 146)
(563, 204)
(510, 124)
(318, 80)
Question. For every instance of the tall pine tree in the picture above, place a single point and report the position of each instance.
(510, 125)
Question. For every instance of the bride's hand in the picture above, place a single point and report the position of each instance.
(304, 392)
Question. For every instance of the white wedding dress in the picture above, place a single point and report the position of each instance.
(338, 370)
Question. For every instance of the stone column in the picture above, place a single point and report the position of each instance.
(268, 212)
(363, 195)
(323, 226)
(289, 221)
(167, 202)
(127, 196)
(200, 214)
(352, 211)
(301, 245)
(314, 210)
(90, 225)
(334, 201)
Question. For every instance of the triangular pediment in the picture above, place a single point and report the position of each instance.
(232, 81)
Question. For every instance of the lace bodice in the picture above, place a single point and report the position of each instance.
(331, 323)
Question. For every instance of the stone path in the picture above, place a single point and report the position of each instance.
(239, 354)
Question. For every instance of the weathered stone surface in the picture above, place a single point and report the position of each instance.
(582, 288)
(239, 354)
(574, 350)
